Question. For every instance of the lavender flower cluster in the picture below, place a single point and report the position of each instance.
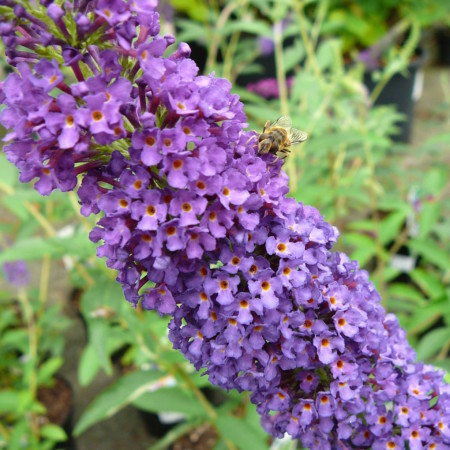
(199, 227)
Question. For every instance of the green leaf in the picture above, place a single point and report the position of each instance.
(53, 432)
(391, 225)
(293, 55)
(77, 245)
(238, 432)
(424, 317)
(431, 252)
(98, 335)
(362, 225)
(405, 291)
(171, 399)
(9, 401)
(435, 180)
(88, 366)
(119, 394)
(49, 368)
(429, 215)
(432, 342)
(8, 171)
(429, 283)
(17, 339)
(175, 433)
(30, 248)
(443, 364)
(106, 293)
(365, 247)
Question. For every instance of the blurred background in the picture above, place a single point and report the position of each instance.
(370, 84)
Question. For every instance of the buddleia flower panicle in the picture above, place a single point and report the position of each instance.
(199, 227)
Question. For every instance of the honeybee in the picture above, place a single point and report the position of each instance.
(279, 136)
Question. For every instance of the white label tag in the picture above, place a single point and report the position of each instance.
(403, 263)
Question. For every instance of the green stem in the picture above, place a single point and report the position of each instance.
(197, 392)
(321, 14)
(228, 60)
(309, 47)
(44, 281)
(279, 65)
(32, 353)
(175, 434)
(216, 38)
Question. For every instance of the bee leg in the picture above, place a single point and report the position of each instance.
(251, 139)
(267, 124)
(274, 161)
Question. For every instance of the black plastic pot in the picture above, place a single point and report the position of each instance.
(401, 91)
(58, 400)
(443, 46)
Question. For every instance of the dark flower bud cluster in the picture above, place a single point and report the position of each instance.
(198, 226)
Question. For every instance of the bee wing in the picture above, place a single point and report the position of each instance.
(283, 121)
(297, 136)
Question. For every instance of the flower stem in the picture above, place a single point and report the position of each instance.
(44, 281)
(32, 353)
(279, 65)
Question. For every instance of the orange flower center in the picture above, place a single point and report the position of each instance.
(151, 211)
(123, 203)
(97, 116)
(243, 304)
(186, 207)
(171, 230)
(150, 141)
(281, 247)
(235, 260)
(177, 164)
